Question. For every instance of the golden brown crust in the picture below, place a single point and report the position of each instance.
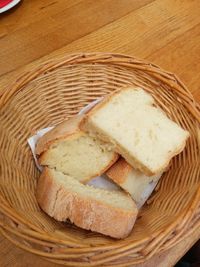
(119, 171)
(61, 131)
(86, 212)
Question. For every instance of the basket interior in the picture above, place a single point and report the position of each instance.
(62, 92)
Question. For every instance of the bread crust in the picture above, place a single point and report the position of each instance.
(119, 171)
(86, 212)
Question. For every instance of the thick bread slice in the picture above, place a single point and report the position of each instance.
(134, 182)
(70, 150)
(139, 131)
(62, 197)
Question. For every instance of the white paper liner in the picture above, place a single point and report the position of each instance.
(99, 181)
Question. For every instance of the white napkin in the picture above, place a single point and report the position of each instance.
(99, 181)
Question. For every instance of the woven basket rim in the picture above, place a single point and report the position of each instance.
(120, 60)
(186, 233)
(82, 57)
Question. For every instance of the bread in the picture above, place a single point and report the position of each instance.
(139, 131)
(73, 152)
(111, 213)
(134, 182)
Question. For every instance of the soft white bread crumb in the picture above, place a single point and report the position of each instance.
(131, 180)
(138, 130)
(111, 213)
(73, 152)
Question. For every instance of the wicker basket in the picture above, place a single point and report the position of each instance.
(59, 88)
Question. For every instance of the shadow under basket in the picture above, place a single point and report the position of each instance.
(47, 93)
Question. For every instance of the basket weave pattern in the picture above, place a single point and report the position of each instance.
(57, 89)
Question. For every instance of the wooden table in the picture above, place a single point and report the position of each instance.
(166, 32)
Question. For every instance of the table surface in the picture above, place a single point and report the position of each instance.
(165, 32)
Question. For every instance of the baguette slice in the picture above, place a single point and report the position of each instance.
(73, 152)
(139, 131)
(137, 184)
(111, 213)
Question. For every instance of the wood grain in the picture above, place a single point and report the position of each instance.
(60, 28)
(165, 32)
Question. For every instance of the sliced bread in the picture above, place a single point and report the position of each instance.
(73, 152)
(139, 131)
(136, 183)
(111, 213)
